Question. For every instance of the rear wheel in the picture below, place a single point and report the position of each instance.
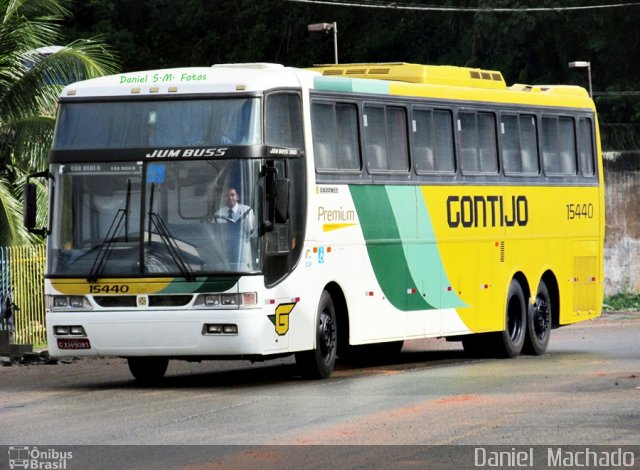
(319, 362)
(539, 324)
(509, 342)
(148, 369)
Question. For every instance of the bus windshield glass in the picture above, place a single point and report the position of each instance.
(161, 123)
(173, 218)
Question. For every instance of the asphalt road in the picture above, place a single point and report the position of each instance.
(584, 391)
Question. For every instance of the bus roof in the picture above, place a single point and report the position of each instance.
(446, 82)
(397, 78)
(223, 78)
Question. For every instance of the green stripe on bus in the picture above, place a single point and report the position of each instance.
(402, 247)
(208, 284)
(351, 85)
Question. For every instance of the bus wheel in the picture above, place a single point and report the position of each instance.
(148, 369)
(509, 342)
(539, 322)
(319, 362)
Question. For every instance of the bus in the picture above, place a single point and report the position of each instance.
(376, 203)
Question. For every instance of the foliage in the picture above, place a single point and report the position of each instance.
(532, 47)
(624, 301)
(31, 78)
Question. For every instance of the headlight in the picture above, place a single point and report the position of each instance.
(64, 330)
(227, 301)
(70, 302)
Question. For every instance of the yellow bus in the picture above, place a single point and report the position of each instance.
(256, 211)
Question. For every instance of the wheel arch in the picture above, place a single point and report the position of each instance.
(551, 282)
(342, 314)
(524, 284)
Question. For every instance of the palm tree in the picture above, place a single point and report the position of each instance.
(31, 78)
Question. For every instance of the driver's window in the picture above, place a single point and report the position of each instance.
(284, 120)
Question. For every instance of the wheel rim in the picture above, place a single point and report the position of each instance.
(541, 318)
(327, 336)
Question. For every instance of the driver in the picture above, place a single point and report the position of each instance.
(235, 212)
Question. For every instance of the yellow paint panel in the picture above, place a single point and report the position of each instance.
(330, 227)
(487, 234)
(110, 286)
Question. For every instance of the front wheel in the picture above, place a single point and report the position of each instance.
(319, 362)
(539, 322)
(148, 369)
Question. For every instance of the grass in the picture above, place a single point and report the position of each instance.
(625, 301)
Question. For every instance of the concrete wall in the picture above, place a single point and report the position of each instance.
(622, 236)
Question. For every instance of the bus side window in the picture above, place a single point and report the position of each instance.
(478, 142)
(375, 134)
(567, 145)
(397, 138)
(487, 143)
(443, 143)
(585, 136)
(422, 133)
(432, 135)
(324, 129)
(558, 146)
(348, 149)
(283, 125)
(519, 144)
(529, 144)
(335, 136)
(468, 136)
(550, 156)
(385, 136)
(511, 160)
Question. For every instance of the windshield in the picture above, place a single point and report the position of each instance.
(174, 218)
(151, 124)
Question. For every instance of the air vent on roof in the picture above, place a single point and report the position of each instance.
(379, 71)
(415, 73)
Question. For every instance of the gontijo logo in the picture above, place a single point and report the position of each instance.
(487, 211)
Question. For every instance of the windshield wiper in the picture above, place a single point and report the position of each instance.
(168, 241)
(105, 248)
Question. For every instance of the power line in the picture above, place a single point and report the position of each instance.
(413, 6)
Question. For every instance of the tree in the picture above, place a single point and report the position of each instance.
(32, 75)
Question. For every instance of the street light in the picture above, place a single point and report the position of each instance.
(326, 27)
(579, 64)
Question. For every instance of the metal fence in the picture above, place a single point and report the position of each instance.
(22, 277)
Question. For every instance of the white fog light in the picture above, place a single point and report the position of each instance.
(77, 330)
(230, 329)
(61, 330)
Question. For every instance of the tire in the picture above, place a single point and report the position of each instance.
(539, 322)
(148, 369)
(318, 363)
(509, 343)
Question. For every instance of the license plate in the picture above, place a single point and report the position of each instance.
(73, 343)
